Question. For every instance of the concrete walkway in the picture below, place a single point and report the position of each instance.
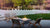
(44, 24)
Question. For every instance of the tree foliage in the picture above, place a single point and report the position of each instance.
(17, 2)
(21, 2)
(24, 3)
(6, 1)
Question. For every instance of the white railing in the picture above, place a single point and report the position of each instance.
(23, 12)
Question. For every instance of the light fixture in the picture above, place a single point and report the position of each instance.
(25, 18)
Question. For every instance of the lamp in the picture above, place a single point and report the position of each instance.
(25, 18)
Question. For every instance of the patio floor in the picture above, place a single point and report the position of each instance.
(44, 24)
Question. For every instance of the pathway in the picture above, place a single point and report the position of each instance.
(44, 24)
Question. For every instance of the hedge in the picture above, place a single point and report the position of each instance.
(36, 16)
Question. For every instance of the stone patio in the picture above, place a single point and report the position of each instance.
(44, 24)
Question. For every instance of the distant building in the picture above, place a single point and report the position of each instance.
(41, 6)
(1, 3)
(47, 5)
(38, 6)
(5, 5)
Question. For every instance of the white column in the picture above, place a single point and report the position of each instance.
(12, 9)
(18, 7)
(7, 9)
(15, 9)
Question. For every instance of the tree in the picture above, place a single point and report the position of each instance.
(8, 3)
(17, 2)
(24, 3)
(21, 2)
(34, 2)
(40, 2)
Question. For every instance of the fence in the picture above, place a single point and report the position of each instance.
(23, 12)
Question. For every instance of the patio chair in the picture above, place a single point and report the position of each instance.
(36, 22)
(26, 23)
(14, 21)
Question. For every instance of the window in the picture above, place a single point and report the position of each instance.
(45, 0)
(48, 2)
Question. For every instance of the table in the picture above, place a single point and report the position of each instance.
(23, 20)
(26, 21)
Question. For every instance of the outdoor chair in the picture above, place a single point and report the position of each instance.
(36, 22)
(26, 23)
(14, 21)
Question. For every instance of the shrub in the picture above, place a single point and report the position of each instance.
(26, 8)
(35, 16)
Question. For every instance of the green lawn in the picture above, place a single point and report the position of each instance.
(35, 16)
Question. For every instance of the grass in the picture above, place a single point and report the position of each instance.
(35, 16)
